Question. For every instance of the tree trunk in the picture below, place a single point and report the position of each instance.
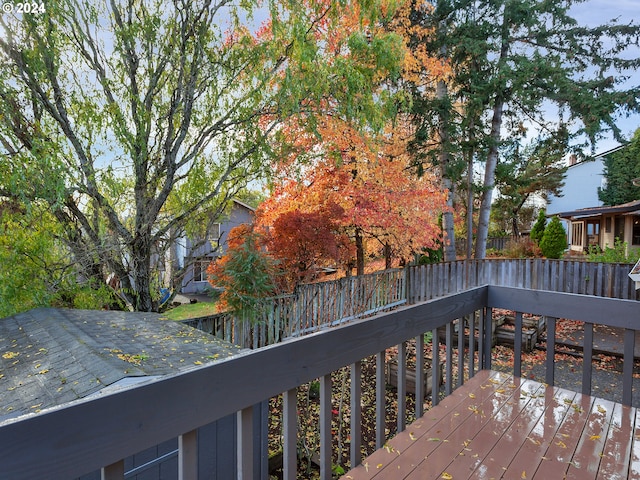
(359, 253)
(449, 245)
(387, 256)
(489, 180)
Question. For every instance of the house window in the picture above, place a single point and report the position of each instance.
(607, 225)
(618, 231)
(636, 230)
(200, 270)
(214, 234)
(593, 232)
(577, 229)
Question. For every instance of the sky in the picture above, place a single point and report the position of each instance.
(596, 12)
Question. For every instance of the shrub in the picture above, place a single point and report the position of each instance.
(620, 253)
(538, 228)
(554, 239)
(521, 248)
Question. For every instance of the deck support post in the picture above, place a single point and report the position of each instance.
(245, 443)
(188, 455)
(115, 471)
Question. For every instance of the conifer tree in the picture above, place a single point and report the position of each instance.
(554, 239)
(620, 169)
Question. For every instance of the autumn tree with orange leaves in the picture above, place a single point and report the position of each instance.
(386, 207)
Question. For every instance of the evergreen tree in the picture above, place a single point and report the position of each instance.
(510, 59)
(620, 169)
(538, 228)
(554, 239)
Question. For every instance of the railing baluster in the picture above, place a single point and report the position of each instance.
(356, 413)
(245, 443)
(448, 387)
(472, 344)
(627, 366)
(517, 346)
(290, 432)
(115, 471)
(461, 322)
(488, 337)
(587, 358)
(481, 335)
(551, 350)
(420, 384)
(188, 455)
(380, 399)
(402, 386)
(435, 367)
(325, 427)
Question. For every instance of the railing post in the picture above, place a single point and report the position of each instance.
(245, 444)
(188, 455)
(115, 471)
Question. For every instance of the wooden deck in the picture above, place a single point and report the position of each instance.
(500, 426)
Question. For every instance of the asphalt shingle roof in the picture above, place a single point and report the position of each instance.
(52, 356)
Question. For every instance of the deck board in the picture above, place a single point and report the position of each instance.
(498, 426)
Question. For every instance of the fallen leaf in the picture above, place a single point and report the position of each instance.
(594, 437)
(447, 476)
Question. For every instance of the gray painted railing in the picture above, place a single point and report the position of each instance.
(69, 441)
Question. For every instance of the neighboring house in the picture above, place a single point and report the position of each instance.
(199, 253)
(49, 357)
(602, 225)
(580, 190)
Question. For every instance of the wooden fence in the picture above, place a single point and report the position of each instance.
(568, 276)
(322, 305)
(312, 307)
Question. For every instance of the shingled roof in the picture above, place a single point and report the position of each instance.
(52, 356)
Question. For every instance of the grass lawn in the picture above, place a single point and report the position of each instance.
(191, 310)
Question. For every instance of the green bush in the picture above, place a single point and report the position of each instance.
(554, 239)
(620, 253)
(538, 228)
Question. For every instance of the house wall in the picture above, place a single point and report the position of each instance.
(580, 190)
(239, 215)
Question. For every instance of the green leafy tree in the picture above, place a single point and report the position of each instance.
(554, 239)
(36, 269)
(620, 169)
(537, 231)
(135, 122)
(512, 60)
(537, 169)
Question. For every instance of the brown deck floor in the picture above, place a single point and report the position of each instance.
(500, 426)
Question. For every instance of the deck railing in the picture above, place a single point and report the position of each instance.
(70, 441)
